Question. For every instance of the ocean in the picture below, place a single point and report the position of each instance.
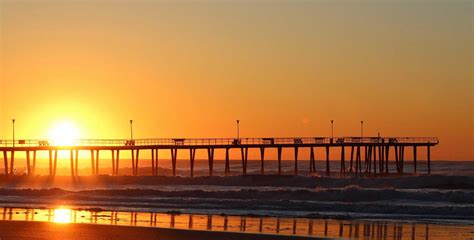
(444, 198)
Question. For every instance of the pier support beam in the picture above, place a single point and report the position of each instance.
(397, 161)
(154, 161)
(368, 155)
(210, 154)
(12, 162)
(374, 158)
(192, 155)
(227, 162)
(428, 153)
(352, 157)
(71, 153)
(34, 162)
(312, 162)
(358, 162)
(97, 162)
(174, 156)
(414, 159)
(117, 163)
(343, 162)
(328, 169)
(381, 160)
(28, 163)
(262, 158)
(279, 149)
(76, 163)
(397, 158)
(366, 159)
(50, 155)
(244, 152)
(402, 159)
(387, 149)
(113, 162)
(136, 161)
(5, 161)
(133, 162)
(296, 161)
(55, 161)
(93, 163)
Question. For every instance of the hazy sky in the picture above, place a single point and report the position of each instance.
(284, 68)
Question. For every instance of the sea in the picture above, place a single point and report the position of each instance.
(409, 206)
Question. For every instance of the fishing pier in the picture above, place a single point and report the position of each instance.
(359, 155)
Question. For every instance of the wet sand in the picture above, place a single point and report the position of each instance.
(232, 225)
(20, 230)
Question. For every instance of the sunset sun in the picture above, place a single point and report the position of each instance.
(63, 134)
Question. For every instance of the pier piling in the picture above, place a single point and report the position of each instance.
(210, 153)
(328, 169)
(296, 161)
(279, 149)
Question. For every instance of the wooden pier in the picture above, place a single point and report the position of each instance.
(368, 155)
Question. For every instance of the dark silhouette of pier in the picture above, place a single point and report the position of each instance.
(368, 155)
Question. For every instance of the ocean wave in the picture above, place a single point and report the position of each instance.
(347, 194)
(449, 182)
(282, 207)
(446, 196)
(351, 199)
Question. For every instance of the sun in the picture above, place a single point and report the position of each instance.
(63, 134)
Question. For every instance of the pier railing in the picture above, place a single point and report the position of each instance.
(219, 141)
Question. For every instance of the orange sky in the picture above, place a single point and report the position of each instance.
(285, 68)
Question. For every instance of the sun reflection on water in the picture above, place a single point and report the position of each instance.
(331, 228)
(62, 215)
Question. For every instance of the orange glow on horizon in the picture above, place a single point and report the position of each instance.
(404, 67)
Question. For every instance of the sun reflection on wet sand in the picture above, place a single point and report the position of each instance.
(250, 224)
(62, 215)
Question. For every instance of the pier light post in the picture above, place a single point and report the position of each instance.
(238, 130)
(361, 128)
(131, 129)
(13, 125)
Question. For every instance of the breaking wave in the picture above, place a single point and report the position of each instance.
(433, 196)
